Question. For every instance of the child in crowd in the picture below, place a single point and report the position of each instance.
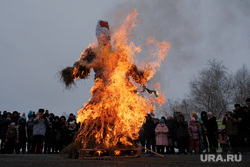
(11, 138)
(193, 131)
(161, 131)
(224, 141)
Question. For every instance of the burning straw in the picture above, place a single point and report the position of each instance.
(67, 76)
(70, 74)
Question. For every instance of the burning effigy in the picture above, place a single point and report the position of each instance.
(116, 111)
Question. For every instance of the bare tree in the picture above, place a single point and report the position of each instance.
(241, 85)
(212, 89)
(185, 106)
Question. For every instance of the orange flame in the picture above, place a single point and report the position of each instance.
(116, 111)
(117, 152)
(99, 153)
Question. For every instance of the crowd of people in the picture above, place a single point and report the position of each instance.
(43, 132)
(199, 135)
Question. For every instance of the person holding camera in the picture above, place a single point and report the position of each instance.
(39, 130)
(231, 130)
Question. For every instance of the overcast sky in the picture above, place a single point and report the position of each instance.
(40, 37)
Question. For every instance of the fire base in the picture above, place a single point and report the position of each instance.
(109, 154)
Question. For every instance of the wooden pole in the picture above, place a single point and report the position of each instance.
(150, 150)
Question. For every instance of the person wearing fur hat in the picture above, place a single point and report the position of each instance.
(193, 132)
(182, 133)
(161, 131)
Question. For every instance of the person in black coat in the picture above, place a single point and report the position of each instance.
(5, 122)
(181, 133)
(247, 111)
(204, 132)
(22, 129)
(49, 136)
(57, 135)
(149, 132)
(170, 123)
(212, 131)
(65, 133)
(240, 116)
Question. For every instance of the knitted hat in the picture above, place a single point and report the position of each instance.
(194, 114)
(161, 120)
(30, 113)
(192, 120)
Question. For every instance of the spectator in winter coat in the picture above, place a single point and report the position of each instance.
(49, 136)
(171, 127)
(223, 140)
(239, 114)
(57, 135)
(231, 130)
(4, 127)
(212, 130)
(149, 132)
(29, 125)
(22, 129)
(182, 133)
(11, 138)
(193, 132)
(39, 130)
(247, 111)
(161, 131)
(72, 130)
(142, 138)
(65, 133)
(204, 132)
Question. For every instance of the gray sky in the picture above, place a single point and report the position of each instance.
(39, 38)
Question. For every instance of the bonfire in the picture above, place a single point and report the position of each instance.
(116, 111)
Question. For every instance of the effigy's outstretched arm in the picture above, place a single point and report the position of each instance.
(141, 77)
(81, 68)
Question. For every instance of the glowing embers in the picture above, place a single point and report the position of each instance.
(108, 154)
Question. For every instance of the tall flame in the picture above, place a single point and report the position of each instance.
(116, 110)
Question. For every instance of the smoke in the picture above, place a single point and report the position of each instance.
(197, 31)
